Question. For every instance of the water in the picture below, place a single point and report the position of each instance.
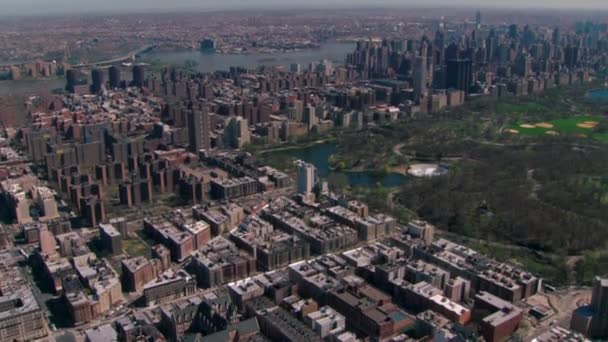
(28, 87)
(319, 155)
(206, 63)
(212, 62)
(599, 95)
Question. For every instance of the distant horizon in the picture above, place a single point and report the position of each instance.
(108, 7)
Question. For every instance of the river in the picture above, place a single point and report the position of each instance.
(319, 155)
(209, 62)
(205, 63)
(30, 86)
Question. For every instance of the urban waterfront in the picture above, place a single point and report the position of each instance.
(206, 62)
(210, 62)
(30, 87)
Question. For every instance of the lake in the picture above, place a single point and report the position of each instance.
(209, 62)
(598, 95)
(319, 155)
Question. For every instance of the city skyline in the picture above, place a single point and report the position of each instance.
(40, 7)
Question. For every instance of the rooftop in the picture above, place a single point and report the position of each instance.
(17, 296)
(103, 333)
(109, 230)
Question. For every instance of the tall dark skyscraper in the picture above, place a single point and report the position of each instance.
(529, 37)
(478, 19)
(71, 79)
(513, 32)
(439, 47)
(114, 76)
(459, 74)
(571, 56)
(138, 76)
(557, 37)
(452, 52)
(97, 80)
(199, 129)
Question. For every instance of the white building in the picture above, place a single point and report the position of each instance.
(237, 132)
(306, 178)
(326, 322)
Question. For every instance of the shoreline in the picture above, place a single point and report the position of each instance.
(313, 47)
(296, 147)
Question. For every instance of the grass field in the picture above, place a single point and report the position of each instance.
(519, 108)
(136, 247)
(603, 137)
(573, 125)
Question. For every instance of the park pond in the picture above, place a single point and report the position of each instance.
(598, 95)
(319, 155)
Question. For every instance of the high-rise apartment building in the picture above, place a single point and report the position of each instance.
(114, 77)
(199, 128)
(306, 178)
(138, 76)
(97, 79)
(237, 133)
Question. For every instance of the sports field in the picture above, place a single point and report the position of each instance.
(579, 125)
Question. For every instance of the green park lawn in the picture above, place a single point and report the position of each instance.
(562, 126)
(507, 108)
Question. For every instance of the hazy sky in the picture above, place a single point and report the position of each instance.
(20, 7)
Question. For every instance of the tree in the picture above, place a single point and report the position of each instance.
(338, 181)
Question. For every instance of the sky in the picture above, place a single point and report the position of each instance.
(24, 7)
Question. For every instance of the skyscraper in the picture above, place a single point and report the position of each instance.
(459, 74)
(452, 51)
(439, 47)
(556, 36)
(478, 19)
(295, 67)
(114, 77)
(298, 111)
(138, 76)
(97, 81)
(571, 56)
(306, 178)
(513, 31)
(199, 128)
(420, 68)
(310, 116)
(237, 133)
(71, 80)
(599, 306)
